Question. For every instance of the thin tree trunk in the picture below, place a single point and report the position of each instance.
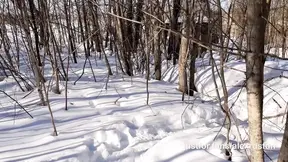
(184, 50)
(254, 74)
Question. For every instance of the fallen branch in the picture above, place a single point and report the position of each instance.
(277, 103)
(276, 93)
(274, 116)
(17, 103)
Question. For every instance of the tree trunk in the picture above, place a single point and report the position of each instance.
(137, 33)
(284, 30)
(69, 29)
(35, 31)
(173, 46)
(125, 53)
(157, 50)
(184, 50)
(193, 55)
(254, 74)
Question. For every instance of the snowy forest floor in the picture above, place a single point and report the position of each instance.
(114, 123)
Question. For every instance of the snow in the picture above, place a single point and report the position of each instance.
(116, 124)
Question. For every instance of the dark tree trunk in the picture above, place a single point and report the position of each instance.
(137, 33)
(173, 44)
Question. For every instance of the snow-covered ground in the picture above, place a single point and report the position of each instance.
(114, 123)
